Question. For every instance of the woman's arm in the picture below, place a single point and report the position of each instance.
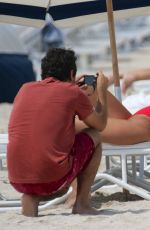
(129, 77)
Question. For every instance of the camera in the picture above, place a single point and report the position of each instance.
(89, 80)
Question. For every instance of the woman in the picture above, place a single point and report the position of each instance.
(123, 128)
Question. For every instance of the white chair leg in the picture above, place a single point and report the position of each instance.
(124, 185)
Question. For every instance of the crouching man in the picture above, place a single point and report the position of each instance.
(44, 154)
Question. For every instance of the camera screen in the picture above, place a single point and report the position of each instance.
(89, 79)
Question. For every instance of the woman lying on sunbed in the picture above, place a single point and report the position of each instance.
(123, 128)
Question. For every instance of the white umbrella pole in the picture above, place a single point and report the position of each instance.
(113, 49)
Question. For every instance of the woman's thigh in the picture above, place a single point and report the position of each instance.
(125, 132)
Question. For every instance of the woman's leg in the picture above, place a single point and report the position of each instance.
(126, 132)
(121, 128)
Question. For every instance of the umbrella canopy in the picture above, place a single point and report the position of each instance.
(69, 13)
(24, 12)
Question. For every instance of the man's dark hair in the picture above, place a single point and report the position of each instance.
(58, 63)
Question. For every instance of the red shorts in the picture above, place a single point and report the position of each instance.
(82, 151)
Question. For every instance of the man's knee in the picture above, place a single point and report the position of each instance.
(94, 134)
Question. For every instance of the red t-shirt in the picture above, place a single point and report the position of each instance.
(42, 130)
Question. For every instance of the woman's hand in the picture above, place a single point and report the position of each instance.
(127, 81)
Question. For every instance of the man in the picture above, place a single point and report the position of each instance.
(44, 154)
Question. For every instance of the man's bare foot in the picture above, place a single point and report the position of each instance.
(78, 209)
(30, 205)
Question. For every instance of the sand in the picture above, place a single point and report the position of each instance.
(117, 212)
(117, 216)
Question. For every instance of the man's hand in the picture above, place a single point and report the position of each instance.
(79, 79)
(88, 90)
(102, 81)
(80, 83)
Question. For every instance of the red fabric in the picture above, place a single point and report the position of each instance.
(81, 152)
(42, 130)
(144, 111)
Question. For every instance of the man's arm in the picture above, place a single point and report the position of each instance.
(98, 119)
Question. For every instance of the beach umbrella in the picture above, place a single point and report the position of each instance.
(69, 13)
(73, 13)
(24, 12)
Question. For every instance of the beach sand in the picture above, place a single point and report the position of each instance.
(117, 211)
(116, 216)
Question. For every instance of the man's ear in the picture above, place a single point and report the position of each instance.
(72, 75)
